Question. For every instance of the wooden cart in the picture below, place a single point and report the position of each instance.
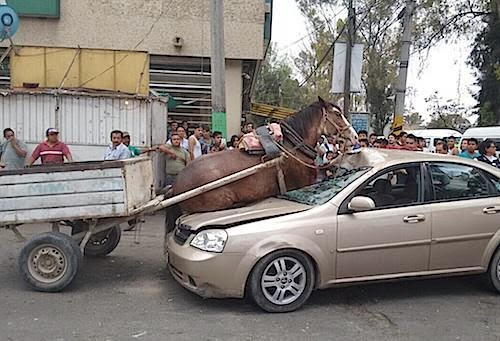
(91, 197)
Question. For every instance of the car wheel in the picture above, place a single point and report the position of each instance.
(282, 281)
(494, 271)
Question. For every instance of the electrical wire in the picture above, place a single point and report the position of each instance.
(323, 59)
(134, 48)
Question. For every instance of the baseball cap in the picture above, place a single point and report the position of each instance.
(126, 133)
(51, 131)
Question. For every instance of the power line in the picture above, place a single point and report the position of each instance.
(324, 57)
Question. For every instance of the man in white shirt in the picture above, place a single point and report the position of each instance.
(116, 150)
(194, 143)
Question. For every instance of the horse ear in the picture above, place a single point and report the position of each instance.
(321, 100)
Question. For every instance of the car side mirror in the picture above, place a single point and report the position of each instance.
(361, 203)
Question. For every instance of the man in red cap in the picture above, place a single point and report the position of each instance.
(51, 151)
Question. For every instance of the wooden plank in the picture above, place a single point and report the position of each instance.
(56, 214)
(61, 187)
(59, 176)
(61, 200)
(138, 183)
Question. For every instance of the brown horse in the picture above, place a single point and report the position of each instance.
(319, 118)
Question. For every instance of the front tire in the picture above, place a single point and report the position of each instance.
(49, 262)
(494, 271)
(282, 281)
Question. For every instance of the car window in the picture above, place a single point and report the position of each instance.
(396, 187)
(454, 181)
(325, 190)
(495, 181)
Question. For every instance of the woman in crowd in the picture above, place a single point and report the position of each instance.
(487, 149)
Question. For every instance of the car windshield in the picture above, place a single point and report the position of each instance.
(321, 192)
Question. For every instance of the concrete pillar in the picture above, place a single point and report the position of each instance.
(234, 84)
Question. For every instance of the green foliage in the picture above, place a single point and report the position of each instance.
(413, 121)
(485, 57)
(448, 114)
(276, 84)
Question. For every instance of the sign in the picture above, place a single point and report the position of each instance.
(35, 8)
(219, 123)
(360, 121)
(338, 75)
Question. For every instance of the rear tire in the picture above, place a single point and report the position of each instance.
(49, 262)
(104, 242)
(282, 281)
(494, 271)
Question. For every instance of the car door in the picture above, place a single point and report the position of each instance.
(465, 214)
(393, 238)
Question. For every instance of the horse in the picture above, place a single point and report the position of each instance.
(300, 132)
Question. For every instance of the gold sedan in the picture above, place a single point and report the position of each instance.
(388, 215)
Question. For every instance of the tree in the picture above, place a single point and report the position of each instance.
(485, 56)
(414, 121)
(276, 85)
(448, 114)
(377, 26)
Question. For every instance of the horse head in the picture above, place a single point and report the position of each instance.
(335, 123)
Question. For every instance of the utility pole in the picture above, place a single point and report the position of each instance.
(348, 58)
(398, 121)
(218, 67)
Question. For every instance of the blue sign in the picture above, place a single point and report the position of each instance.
(360, 121)
(9, 22)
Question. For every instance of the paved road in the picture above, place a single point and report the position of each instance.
(129, 296)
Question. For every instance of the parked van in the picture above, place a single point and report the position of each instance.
(483, 133)
(432, 135)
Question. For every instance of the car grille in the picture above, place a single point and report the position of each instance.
(181, 234)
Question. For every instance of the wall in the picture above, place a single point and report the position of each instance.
(85, 121)
(149, 25)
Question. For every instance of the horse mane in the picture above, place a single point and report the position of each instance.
(301, 121)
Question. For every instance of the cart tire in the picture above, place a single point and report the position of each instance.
(49, 261)
(103, 243)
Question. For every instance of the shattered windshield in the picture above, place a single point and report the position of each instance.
(321, 192)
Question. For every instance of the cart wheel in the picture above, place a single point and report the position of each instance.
(103, 242)
(49, 262)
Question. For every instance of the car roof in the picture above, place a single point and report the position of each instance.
(435, 132)
(382, 158)
(483, 132)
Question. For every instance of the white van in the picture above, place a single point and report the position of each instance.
(483, 133)
(432, 135)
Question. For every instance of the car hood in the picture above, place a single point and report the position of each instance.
(263, 209)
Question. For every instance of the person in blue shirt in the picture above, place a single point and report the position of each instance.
(471, 151)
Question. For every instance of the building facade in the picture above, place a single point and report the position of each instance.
(176, 34)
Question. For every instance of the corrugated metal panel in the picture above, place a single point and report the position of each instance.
(82, 120)
(270, 111)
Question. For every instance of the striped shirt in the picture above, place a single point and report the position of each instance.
(51, 155)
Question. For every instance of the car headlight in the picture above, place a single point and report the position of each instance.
(210, 240)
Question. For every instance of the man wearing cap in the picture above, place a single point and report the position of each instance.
(134, 151)
(51, 151)
(116, 150)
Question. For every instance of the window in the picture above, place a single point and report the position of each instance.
(495, 181)
(35, 8)
(396, 187)
(453, 181)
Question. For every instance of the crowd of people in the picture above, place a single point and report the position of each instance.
(180, 147)
(328, 148)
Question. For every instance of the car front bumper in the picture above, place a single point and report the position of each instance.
(208, 274)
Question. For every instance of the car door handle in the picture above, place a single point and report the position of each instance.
(491, 209)
(412, 219)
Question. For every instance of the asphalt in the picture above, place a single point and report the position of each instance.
(129, 295)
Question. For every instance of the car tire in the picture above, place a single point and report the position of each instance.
(49, 262)
(282, 281)
(103, 243)
(494, 271)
